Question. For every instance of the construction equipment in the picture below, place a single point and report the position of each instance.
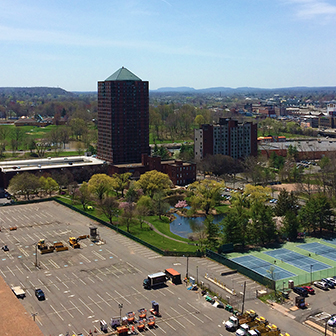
(13, 228)
(151, 322)
(141, 325)
(130, 317)
(236, 320)
(122, 330)
(155, 309)
(243, 330)
(142, 313)
(103, 326)
(60, 247)
(270, 330)
(74, 242)
(41, 244)
(47, 249)
(83, 237)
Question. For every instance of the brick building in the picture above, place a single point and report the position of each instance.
(123, 118)
(229, 137)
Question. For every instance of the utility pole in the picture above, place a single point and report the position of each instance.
(244, 297)
(187, 274)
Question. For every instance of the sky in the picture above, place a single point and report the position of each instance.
(73, 44)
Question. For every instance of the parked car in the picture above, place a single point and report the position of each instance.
(39, 294)
(332, 280)
(328, 282)
(309, 289)
(301, 291)
(332, 321)
(5, 248)
(321, 285)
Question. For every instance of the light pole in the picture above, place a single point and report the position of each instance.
(120, 305)
(187, 273)
(197, 274)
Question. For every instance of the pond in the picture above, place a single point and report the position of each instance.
(184, 226)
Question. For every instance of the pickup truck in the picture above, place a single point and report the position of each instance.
(19, 292)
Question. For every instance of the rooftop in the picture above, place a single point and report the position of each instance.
(123, 74)
(26, 165)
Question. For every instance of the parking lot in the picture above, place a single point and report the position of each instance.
(83, 286)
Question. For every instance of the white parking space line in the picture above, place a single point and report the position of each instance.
(86, 259)
(10, 270)
(98, 255)
(67, 310)
(3, 274)
(155, 257)
(44, 285)
(20, 270)
(57, 313)
(75, 275)
(133, 267)
(175, 319)
(44, 265)
(23, 252)
(208, 317)
(103, 300)
(112, 253)
(52, 262)
(76, 307)
(27, 267)
(123, 297)
(86, 305)
(140, 293)
(192, 313)
(95, 303)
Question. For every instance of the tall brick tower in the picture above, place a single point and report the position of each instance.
(123, 118)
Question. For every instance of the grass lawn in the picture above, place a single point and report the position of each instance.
(222, 209)
(146, 233)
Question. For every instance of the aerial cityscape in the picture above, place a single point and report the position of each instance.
(168, 168)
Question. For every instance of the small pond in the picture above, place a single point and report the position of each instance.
(184, 226)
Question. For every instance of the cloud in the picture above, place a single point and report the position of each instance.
(307, 9)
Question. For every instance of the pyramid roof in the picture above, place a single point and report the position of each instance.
(123, 74)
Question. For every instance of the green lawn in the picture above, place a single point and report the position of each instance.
(146, 233)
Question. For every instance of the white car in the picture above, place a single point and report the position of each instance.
(321, 284)
(332, 321)
(332, 280)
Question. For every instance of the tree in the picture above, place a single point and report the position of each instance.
(291, 225)
(207, 193)
(277, 161)
(141, 212)
(263, 228)
(222, 164)
(48, 184)
(83, 195)
(287, 202)
(120, 182)
(109, 207)
(212, 233)
(100, 185)
(153, 181)
(199, 120)
(160, 206)
(72, 189)
(25, 183)
(316, 213)
(127, 214)
(78, 127)
(257, 194)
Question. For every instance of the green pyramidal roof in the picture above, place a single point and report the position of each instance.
(123, 74)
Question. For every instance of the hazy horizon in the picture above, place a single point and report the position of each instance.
(215, 43)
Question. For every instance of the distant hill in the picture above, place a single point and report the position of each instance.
(35, 91)
(242, 90)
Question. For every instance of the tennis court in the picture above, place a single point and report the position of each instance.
(330, 241)
(320, 249)
(263, 267)
(298, 260)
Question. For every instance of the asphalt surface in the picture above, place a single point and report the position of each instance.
(83, 286)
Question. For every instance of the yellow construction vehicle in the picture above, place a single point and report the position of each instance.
(74, 242)
(60, 247)
(41, 245)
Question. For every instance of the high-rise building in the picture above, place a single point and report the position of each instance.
(123, 118)
(229, 137)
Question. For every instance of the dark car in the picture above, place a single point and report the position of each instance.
(39, 294)
(5, 248)
(301, 291)
(309, 289)
(328, 282)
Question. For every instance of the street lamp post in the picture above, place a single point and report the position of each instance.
(120, 305)
(187, 273)
(197, 274)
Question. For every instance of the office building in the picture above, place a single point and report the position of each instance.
(123, 118)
